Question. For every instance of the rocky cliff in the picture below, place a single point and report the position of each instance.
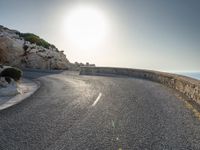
(27, 50)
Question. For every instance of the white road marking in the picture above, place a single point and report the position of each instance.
(113, 124)
(95, 102)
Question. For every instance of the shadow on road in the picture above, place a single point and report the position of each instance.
(37, 73)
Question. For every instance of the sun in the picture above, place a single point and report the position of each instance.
(86, 27)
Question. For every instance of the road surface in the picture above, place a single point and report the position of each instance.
(95, 113)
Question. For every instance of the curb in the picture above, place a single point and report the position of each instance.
(20, 97)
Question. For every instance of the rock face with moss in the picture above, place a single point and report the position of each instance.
(26, 50)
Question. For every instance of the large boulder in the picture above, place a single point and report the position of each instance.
(10, 51)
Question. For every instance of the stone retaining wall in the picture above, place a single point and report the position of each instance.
(188, 86)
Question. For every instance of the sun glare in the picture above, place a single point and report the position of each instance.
(86, 27)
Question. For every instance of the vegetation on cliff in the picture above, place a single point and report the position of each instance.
(32, 38)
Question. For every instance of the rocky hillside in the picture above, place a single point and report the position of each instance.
(26, 50)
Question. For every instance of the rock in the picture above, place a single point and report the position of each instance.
(16, 51)
(10, 51)
(7, 89)
(3, 82)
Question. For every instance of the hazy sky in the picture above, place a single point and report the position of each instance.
(152, 34)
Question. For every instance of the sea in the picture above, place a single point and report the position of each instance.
(195, 75)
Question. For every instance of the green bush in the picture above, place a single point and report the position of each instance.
(13, 73)
(32, 38)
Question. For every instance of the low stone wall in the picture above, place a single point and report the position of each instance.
(188, 86)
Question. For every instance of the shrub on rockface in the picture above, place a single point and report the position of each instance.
(13, 73)
(32, 38)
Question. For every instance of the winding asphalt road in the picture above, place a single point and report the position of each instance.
(87, 113)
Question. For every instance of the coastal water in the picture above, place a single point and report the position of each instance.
(195, 75)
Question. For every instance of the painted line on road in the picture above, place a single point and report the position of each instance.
(98, 98)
